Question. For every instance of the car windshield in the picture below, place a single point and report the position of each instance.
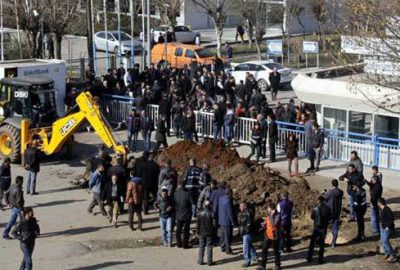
(161, 28)
(204, 53)
(124, 36)
(273, 65)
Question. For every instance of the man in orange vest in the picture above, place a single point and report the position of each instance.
(272, 237)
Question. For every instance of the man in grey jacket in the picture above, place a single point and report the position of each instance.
(15, 198)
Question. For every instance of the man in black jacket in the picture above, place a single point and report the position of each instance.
(5, 179)
(218, 121)
(206, 228)
(360, 207)
(114, 196)
(387, 221)
(321, 215)
(272, 137)
(32, 165)
(183, 215)
(122, 177)
(246, 224)
(192, 183)
(165, 206)
(275, 81)
(353, 178)
(334, 199)
(15, 198)
(375, 191)
(27, 230)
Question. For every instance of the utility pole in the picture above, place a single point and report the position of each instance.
(144, 35)
(89, 31)
(106, 32)
(119, 31)
(148, 34)
(132, 32)
(2, 31)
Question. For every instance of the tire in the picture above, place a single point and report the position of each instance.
(10, 143)
(263, 85)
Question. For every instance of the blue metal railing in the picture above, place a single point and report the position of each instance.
(373, 150)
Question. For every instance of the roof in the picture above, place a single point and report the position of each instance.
(183, 45)
(26, 81)
(260, 62)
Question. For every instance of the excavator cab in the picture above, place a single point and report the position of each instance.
(31, 98)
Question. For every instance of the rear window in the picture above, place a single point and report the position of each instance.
(190, 54)
(273, 65)
(178, 52)
(204, 53)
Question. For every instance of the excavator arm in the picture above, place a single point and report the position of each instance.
(62, 129)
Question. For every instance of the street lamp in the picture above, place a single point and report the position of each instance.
(2, 31)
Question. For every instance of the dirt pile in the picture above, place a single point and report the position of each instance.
(249, 181)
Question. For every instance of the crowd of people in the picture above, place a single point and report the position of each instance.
(142, 185)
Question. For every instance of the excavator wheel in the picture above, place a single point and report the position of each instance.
(10, 142)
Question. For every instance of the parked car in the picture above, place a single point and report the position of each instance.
(183, 34)
(179, 54)
(261, 70)
(101, 41)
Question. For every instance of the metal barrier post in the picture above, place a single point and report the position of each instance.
(82, 69)
(375, 142)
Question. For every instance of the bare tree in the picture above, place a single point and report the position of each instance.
(320, 12)
(218, 11)
(375, 29)
(295, 9)
(25, 12)
(59, 14)
(169, 11)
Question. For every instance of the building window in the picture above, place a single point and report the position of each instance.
(360, 122)
(335, 119)
(386, 126)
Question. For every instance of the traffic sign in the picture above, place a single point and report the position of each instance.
(274, 47)
(310, 47)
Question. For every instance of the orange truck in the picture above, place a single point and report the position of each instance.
(178, 54)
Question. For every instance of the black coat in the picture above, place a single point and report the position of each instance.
(108, 193)
(321, 215)
(387, 218)
(5, 177)
(183, 205)
(273, 132)
(32, 161)
(375, 191)
(334, 199)
(206, 223)
(275, 80)
(161, 131)
(150, 175)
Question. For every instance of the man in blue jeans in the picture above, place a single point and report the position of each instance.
(246, 223)
(32, 165)
(375, 191)
(334, 199)
(387, 228)
(218, 121)
(165, 206)
(15, 198)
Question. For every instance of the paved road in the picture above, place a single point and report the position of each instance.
(72, 239)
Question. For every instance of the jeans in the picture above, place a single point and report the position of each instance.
(27, 250)
(267, 243)
(335, 230)
(203, 242)
(226, 239)
(182, 226)
(97, 201)
(317, 234)
(351, 206)
(188, 136)
(146, 139)
(287, 236)
(360, 213)
(15, 213)
(133, 208)
(385, 239)
(217, 131)
(133, 135)
(166, 227)
(31, 183)
(194, 194)
(228, 133)
(249, 253)
(375, 219)
(255, 149)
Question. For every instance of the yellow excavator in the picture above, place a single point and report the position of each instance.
(27, 112)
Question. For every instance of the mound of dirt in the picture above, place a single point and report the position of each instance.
(249, 181)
